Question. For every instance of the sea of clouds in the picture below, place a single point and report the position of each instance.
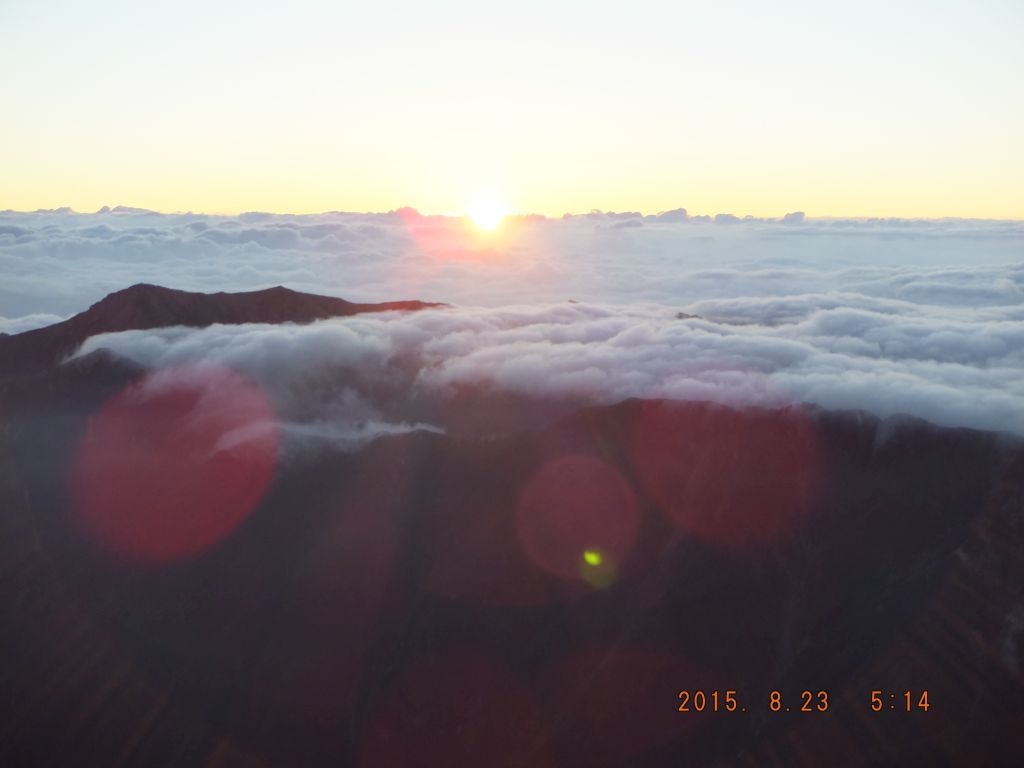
(893, 316)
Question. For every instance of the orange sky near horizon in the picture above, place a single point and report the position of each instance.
(910, 110)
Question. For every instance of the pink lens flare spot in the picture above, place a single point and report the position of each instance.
(174, 462)
(735, 478)
(578, 519)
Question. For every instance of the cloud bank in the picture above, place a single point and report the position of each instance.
(60, 262)
(892, 357)
(893, 316)
(14, 325)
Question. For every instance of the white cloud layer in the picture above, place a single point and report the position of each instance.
(14, 325)
(60, 262)
(920, 317)
(890, 358)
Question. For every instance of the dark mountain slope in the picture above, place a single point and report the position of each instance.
(536, 598)
(385, 605)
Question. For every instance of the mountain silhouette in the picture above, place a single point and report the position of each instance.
(145, 306)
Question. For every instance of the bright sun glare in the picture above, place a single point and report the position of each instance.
(486, 214)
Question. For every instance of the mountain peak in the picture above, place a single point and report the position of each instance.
(143, 305)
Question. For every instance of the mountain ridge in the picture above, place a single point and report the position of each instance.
(143, 306)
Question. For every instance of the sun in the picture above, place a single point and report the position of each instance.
(486, 214)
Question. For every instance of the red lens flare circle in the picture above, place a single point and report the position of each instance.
(577, 514)
(735, 478)
(174, 462)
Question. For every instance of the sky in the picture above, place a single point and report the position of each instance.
(867, 109)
